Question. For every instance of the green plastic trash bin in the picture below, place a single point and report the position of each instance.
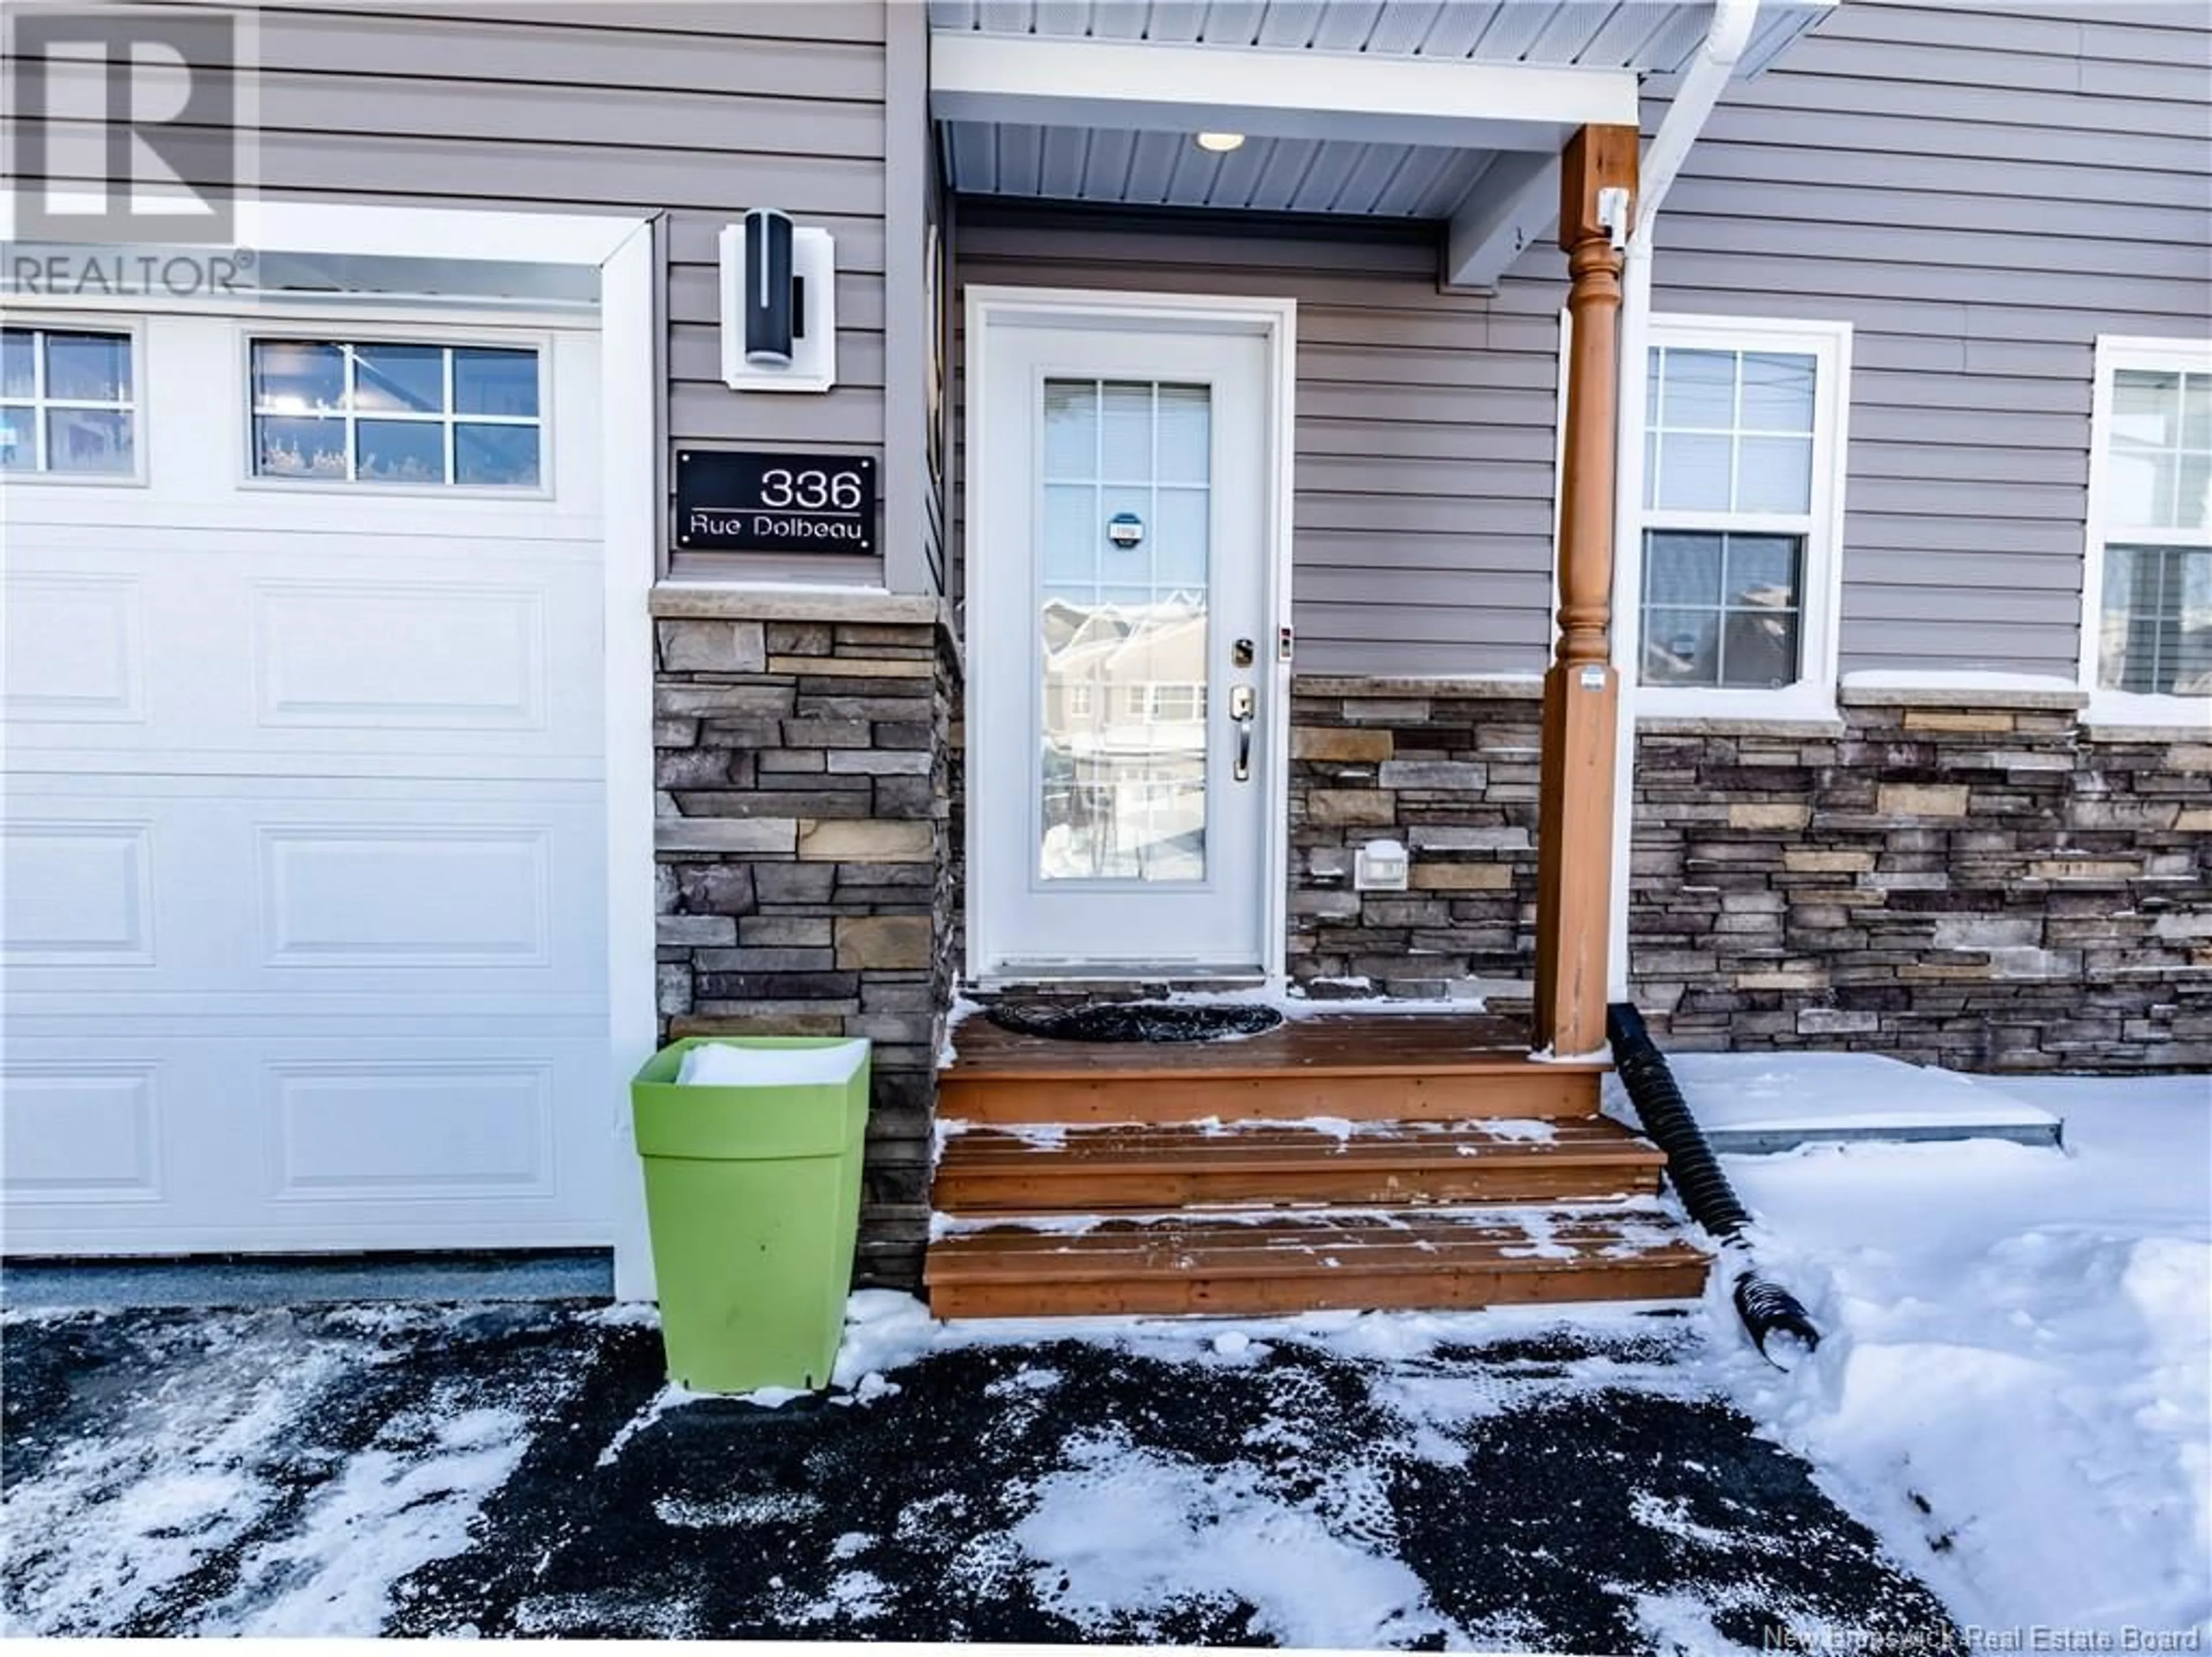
(753, 1194)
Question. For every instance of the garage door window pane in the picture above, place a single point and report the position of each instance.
(399, 452)
(295, 377)
(400, 379)
(496, 456)
(88, 439)
(19, 439)
(403, 413)
(70, 403)
(19, 374)
(495, 382)
(300, 448)
(88, 368)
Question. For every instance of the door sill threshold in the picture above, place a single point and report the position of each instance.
(1064, 977)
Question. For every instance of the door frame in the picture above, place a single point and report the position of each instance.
(626, 250)
(991, 625)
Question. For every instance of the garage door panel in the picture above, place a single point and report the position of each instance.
(265, 897)
(401, 656)
(412, 1130)
(76, 893)
(75, 648)
(82, 1132)
(268, 654)
(303, 926)
(123, 1144)
(406, 896)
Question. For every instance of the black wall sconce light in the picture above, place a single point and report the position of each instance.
(779, 305)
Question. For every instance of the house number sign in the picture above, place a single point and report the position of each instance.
(745, 501)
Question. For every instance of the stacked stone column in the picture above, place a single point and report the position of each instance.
(803, 795)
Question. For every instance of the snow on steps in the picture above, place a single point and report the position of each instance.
(1258, 1262)
(1340, 1162)
(1011, 1171)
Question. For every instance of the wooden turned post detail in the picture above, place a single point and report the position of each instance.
(1580, 693)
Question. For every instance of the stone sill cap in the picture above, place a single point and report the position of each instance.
(1807, 728)
(2098, 732)
(1500, 686)
(1962, 695)
(718, 601)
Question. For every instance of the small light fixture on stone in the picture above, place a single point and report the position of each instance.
(1221, 142)
(1380, 866)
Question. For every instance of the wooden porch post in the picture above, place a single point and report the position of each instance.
(1581, 694)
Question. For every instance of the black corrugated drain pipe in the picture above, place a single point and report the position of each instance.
(1767, 1309)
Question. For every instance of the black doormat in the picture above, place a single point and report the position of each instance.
(1135, 1020)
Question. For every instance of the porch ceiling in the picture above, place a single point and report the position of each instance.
(1149, 159)
(1166, 169)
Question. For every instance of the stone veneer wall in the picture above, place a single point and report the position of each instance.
(1448, 768)
(805, 878)
(1974, 879)
(1986, 883)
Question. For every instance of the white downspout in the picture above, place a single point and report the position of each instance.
(1726, 38)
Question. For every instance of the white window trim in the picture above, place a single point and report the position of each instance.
(87, 322)
(2110, 707)
(1812, 695)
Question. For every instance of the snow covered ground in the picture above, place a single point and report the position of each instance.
(2013, 1387)
(2013, 1395)
(1777, 1101)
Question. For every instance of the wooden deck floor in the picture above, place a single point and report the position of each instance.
(1414, 1066)
(1327, 1044)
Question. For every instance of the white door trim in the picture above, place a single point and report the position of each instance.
(622, 248)
(1275, 321)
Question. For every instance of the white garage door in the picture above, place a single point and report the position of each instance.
(305, 890)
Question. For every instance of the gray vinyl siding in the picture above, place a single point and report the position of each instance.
(1980, 194)
(1425, 450)
(693, 112)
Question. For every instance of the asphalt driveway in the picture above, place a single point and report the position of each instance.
(516, 1470)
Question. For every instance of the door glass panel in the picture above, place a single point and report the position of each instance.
(1124, 515)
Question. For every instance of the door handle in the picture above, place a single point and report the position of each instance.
(1242, 704)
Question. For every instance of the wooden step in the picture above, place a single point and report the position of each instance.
(1090, 1170)
(1223, 1265)
(1363, 1067)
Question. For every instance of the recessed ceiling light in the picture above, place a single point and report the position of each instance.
(1221, 142)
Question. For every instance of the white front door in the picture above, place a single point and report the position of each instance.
(303, 932)
(1124, 662)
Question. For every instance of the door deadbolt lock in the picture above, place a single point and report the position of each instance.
(1243, 704)
(1241, 653)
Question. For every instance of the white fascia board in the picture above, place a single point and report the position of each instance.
(313, 227)
(1511, 207)
(1158, 87)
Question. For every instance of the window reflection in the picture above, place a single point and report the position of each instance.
(1123, 630)
(1124, 740)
